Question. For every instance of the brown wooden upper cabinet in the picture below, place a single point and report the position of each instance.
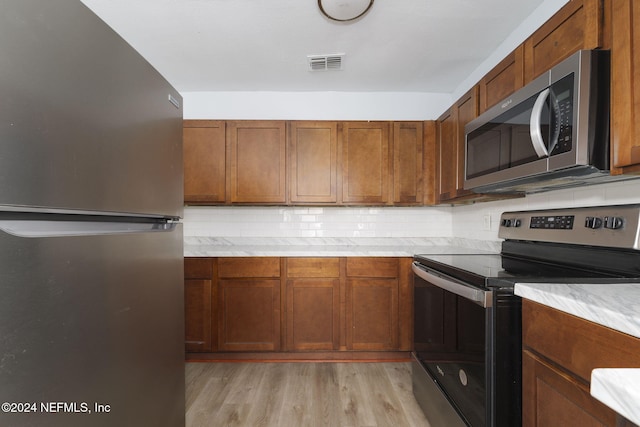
(503, 80)
(313, 160)
(447, 149)
(625, 88)
(257, 161)
(365, 162)
(306, 162)
(204, 153)
(578, 25)
(408, 163)
(450, 146)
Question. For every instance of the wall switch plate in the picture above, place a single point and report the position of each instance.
(486, 222)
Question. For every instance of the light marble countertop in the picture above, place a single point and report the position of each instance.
(332, 247)
(614, 305)
(619, 389)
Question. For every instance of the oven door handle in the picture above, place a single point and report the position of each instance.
(478, 296)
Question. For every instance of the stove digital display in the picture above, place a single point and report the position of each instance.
(558, 222)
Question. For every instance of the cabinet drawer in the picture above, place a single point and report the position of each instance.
(248, 267)
(574, 343)
(198, 268)
(372, 267)
(313, 267)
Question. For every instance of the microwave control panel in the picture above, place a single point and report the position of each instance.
(562, 111)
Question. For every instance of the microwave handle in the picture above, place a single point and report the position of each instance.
(535, 125)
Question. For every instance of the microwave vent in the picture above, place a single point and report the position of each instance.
(333, 62)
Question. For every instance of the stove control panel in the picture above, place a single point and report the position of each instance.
(561, 222)
(612, 226)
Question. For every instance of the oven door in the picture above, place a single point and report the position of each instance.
(451, 346)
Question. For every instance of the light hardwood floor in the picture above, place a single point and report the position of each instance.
(301, 395)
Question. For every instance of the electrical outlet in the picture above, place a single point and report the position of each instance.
(486, 222)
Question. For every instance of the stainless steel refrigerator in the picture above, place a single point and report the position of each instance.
(91, 297)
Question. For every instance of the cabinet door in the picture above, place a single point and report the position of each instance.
(372, 304)
(578, 25)
(249, 304)
(313, 304)
(467, 110)
(407, 163)
(503, 80)
(313, 314)
(198, 315)
(313, 162)
(451, 146)
(430, 162)
(199, 294)
(447, 155)
(365, 162)
(257, 161)
(204, 153)
(372, 314)
(249, 311)
(625, 87)
(554, 398)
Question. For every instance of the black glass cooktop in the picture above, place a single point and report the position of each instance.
(495, 270)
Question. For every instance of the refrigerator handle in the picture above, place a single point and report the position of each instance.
(43, 228)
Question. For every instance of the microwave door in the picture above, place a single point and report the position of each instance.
(503, 150)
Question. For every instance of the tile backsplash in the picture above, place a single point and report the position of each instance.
(477, 221)
(340, 222)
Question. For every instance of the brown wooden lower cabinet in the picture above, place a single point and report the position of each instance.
(249, 315)
(249, 304)
(560, 351)
(319, 304)
(372, 314)
(555, 398)
(312, 304)
(198, 299)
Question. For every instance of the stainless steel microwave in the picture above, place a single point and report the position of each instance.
(552, 133)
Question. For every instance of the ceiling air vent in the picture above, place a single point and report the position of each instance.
(325, 62)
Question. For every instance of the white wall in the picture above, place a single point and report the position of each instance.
(314, 105)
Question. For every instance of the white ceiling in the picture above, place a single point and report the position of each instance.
(262, 45)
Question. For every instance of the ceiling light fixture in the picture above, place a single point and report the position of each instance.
(344, 10)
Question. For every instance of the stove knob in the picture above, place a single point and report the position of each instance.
(593, 222)
(506, 223)
(613, 222)
(517, 223)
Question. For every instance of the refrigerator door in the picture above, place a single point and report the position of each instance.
(86, 123)
(91, 326)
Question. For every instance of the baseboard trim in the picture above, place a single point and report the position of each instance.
(330, 356)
